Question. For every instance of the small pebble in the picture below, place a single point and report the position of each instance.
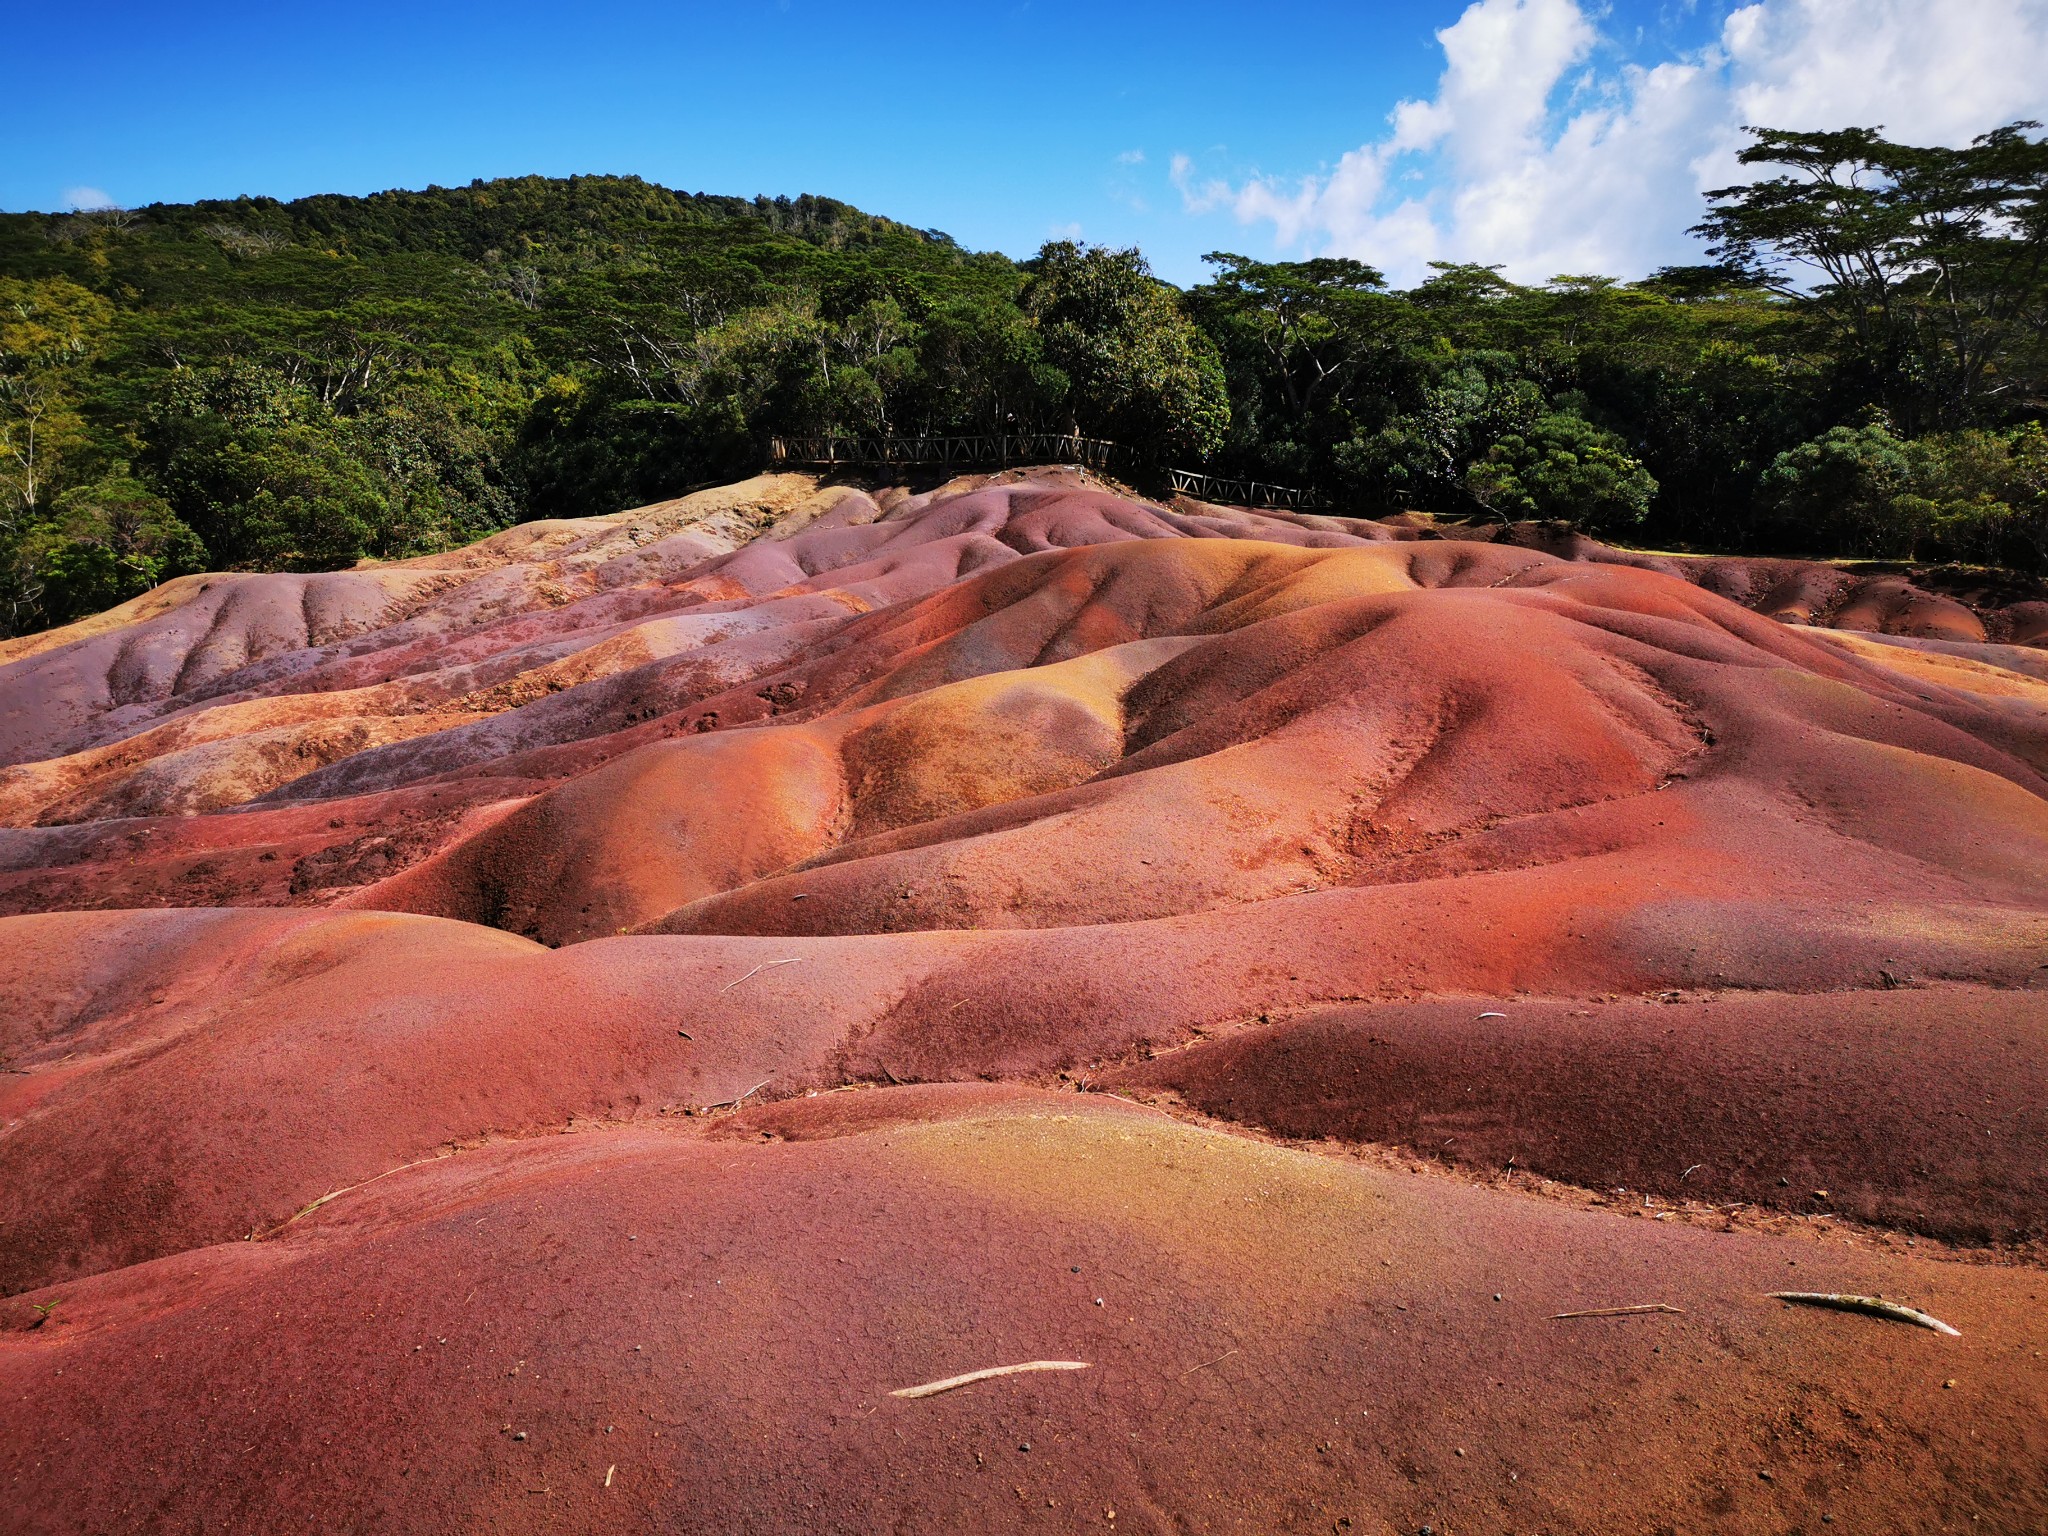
(1948, 1385)
(1025, 1446)
(1496, 1295)
(1098, 1301)
(518, 1434)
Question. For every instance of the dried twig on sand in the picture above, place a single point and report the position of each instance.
(1184, 1375)
(1635, 1311)
(335, 1194)
(1873, 1306)
(735, 1103)
(765, 965)
(932, 1388)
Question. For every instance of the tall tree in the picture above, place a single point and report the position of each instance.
(1141, 371)
(1931, 263)
(1308, 317)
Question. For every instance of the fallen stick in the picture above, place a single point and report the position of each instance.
(932, 1388)
(1635, 1311)
(1184, 1375)
(335, 1194)
(1871, 1306)
(765, 965)
(735, 1103)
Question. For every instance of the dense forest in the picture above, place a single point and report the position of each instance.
(1861, 371)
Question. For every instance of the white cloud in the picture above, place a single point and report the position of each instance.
(1063, 232)
(1502, 60)
(1937, 71)
(1539, 152)
(1123, 182)
(1207, 197)
(85, 199)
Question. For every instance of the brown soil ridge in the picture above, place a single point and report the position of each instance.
(604, 986)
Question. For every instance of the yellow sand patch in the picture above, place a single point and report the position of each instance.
(1963, 672)
(1216, 1203)
(207, 775)
(26, 789)
(1281, 580)
(986, 740)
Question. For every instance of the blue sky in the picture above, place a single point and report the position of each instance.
(1545, 134)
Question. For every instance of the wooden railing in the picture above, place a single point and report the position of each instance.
(1242, 493)
(1000, 449)
(965, 452)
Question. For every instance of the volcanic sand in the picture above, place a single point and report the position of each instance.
(471, 999)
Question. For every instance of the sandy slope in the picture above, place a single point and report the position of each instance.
(472, 892)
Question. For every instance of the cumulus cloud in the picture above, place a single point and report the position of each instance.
(1541, 152)
(86, 199)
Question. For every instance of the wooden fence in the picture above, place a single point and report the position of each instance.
(963, 452)
(1003, 449)
(1242, 493)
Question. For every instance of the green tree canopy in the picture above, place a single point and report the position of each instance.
(1563, 467)
(103, 544)
(309, 383)
(1140, 371)
(1930, 264)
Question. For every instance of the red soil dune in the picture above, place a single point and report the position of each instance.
(469, 999)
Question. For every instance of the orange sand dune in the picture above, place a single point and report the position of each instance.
(639, 1329)
(550, 1036)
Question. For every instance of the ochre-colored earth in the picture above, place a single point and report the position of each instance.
(548, 1038)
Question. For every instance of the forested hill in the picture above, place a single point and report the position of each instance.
(486, 221)
(252, 382)
(260, 384)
